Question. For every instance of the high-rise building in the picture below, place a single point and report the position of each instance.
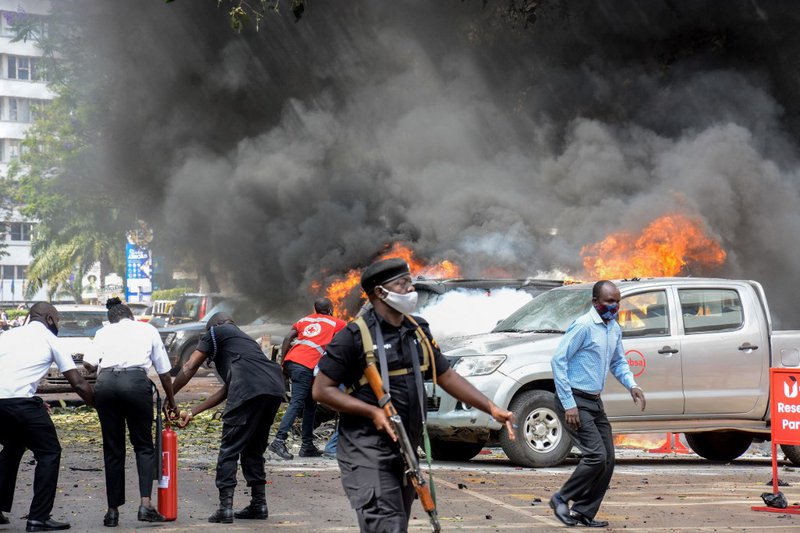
(23, 91)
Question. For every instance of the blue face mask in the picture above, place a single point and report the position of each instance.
(607, 312)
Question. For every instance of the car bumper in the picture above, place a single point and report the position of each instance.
(54, 381)
(454, 420)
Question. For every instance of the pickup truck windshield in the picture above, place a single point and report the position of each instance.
(551, 312)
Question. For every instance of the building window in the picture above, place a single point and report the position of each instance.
(8, 272)
(12, 149)
(22, 271)
(21, 109)
(24, 68)
(20, 231)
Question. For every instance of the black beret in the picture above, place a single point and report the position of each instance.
(384, 271)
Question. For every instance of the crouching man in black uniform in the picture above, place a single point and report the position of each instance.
(26, 354)
(254, 389)
(372, 468)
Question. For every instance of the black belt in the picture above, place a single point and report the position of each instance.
(129, 369)
(585, 395)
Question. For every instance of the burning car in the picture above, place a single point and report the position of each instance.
(181, 340)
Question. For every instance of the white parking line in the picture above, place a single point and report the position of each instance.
(546, 521)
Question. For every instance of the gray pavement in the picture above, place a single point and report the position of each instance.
(649, 493)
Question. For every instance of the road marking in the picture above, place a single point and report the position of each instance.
(543, 519)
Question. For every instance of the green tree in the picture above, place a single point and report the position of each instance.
(78, 222)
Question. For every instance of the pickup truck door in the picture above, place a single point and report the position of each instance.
(649, 336)
(724, 350)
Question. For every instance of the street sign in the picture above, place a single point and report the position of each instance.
(785, 405)
(138, 273)
(784, 399)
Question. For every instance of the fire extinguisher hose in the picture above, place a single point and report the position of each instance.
(159, 428)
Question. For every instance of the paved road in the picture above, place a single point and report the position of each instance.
(648, 493)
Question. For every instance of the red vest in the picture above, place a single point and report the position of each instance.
(314, 332)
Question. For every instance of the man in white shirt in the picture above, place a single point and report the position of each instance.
(26, 354)
(124, 351)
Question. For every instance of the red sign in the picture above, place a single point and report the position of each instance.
(784, 386)
(636, 361)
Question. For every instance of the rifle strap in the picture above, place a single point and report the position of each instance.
(427, 443)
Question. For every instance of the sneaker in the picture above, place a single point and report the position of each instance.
(329, 455)
(278, 447)
(313, 451)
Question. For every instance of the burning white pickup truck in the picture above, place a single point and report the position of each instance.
(700, 348)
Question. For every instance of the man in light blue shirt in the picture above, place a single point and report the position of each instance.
(591, 347)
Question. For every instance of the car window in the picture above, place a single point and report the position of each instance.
(644, 315)
(710, 310)
(187, 307)
(80, 323)
(552, 311)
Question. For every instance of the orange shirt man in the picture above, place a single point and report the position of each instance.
(307, 339)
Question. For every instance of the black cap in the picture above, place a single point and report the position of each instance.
(384, 271)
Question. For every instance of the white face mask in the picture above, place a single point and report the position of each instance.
(403, 303)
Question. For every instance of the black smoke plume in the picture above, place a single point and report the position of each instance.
(301, 150)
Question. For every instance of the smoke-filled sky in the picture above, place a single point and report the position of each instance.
(305, 148)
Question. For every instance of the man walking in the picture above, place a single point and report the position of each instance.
(590, 348)
(307, 338)
(373, 475)
(26, 354)
(254, 390)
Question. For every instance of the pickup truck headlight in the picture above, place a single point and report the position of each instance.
(478, 365)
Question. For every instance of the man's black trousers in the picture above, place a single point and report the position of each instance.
(381, 497)
(25, 424)
(126, 398)
(245, 434)
(587, 485)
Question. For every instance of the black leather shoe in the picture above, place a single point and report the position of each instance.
(148, 514)
(278, 447)
(111, 519)
(3, 519)
(310, 452)
(586, 521)
(561, 510)
(46, 525)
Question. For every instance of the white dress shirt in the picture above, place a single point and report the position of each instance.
(128, 344)
(26, 354)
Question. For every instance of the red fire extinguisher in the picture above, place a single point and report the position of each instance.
(168, 484)
(167, 444)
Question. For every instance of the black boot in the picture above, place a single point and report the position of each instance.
(224, 515)
(257, 510)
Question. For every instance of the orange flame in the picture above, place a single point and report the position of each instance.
(342, 291)
(644, 441)
(669, 246)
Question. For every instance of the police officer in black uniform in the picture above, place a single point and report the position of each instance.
(254, 390)
(372, 469)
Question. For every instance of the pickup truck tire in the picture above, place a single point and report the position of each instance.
(541, 439)
(792, 453)
(719, 445)
(448, 450)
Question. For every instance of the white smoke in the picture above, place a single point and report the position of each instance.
(470, 311)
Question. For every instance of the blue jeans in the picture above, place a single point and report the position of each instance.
(330, 448)
(302, 402)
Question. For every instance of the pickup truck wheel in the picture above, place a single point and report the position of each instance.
(541, 440)
(792, 453)
(719, 445)
(449, 450)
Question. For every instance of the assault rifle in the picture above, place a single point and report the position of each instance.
(413, 471)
